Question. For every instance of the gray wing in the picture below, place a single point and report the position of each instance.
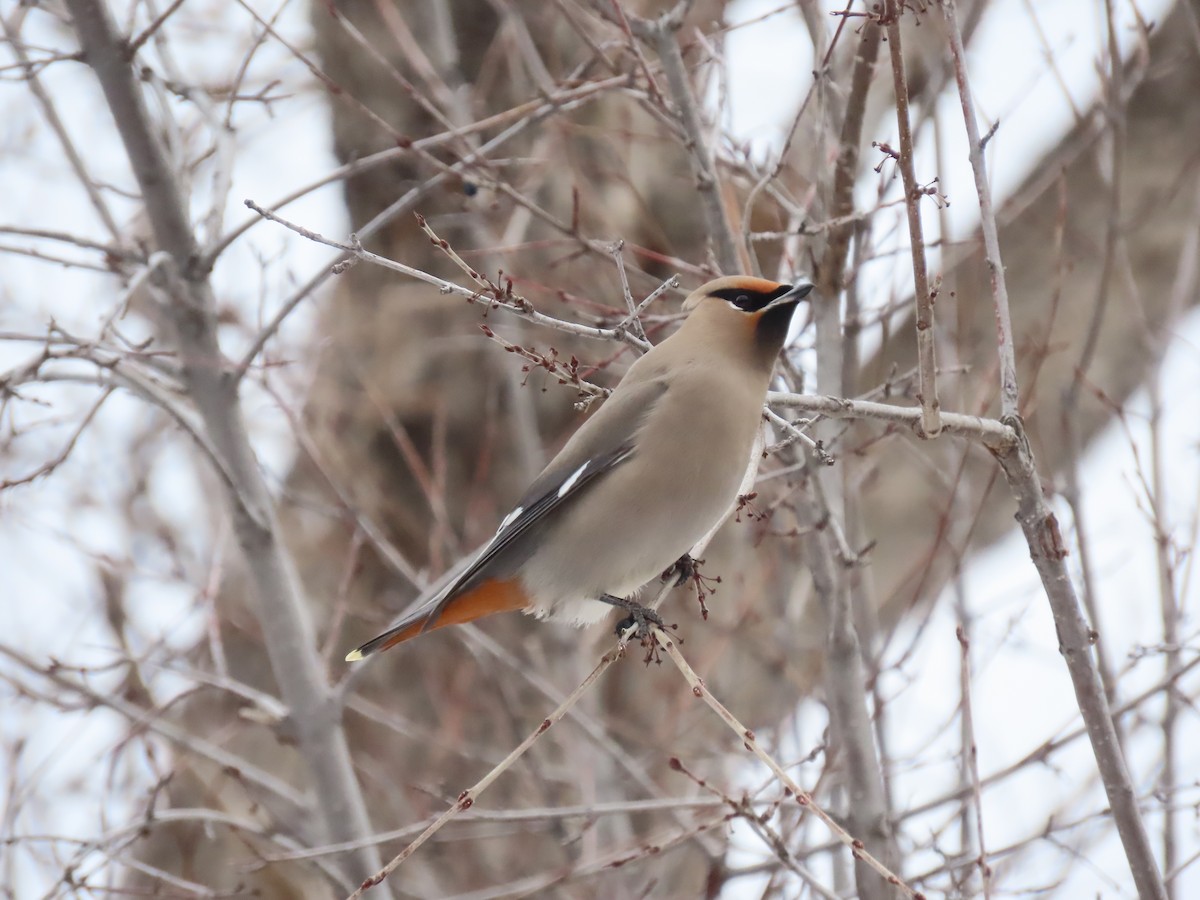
(604, 442)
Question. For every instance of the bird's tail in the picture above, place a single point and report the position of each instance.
(492, 596)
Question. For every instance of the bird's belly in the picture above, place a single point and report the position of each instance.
(593, 550)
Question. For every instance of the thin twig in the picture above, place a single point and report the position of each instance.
(653, 846)
(669, 285)
(662, 34)
(566, 371)
(633, 321)
(444, 246)
(971, 754)
(931, 424)
(468, 797)
(283, 613)
(1009, 395)
(61, 457)
(1172, 587)
(151, 720)
(988, 431)
(74, 157)
(152, 29)
(585, 811)
(497, 297)
(803, 798)
(623, 23)
(517, 120)
(758, 822)
(794, 435)
(1075, 639)
(593, 729)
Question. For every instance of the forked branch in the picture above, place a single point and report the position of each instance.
(747, 737)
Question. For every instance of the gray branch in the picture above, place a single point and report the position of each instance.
(1009, 397)
(1075, 640)
(1075, 636)
(704, 166)
(931, 423)
(867, 815)
(282, 610)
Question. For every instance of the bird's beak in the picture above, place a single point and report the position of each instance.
(795, 295)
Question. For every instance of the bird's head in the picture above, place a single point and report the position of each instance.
(743, 312)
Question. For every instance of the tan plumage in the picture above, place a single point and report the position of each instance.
(642, 480)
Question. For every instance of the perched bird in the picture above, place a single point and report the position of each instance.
(647, 476)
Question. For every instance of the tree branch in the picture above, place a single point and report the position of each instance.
(282, 610)
(1041, 527)
(931, 423)
(747, 737)
(1075, 639)
(467, 798)
(987, 220)
(867, 813)
(662, 34)
(989, 431)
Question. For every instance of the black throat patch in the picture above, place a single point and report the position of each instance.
(772, 328)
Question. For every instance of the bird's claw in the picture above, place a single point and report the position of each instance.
(682, 570)
(646, 621)
(687, 568)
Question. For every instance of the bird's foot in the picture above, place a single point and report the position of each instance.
(682, 570)
(644, 619)
(686, 569)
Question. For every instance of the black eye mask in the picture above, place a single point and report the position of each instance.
(749, 300)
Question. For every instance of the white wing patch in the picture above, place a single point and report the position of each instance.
(510, 518)
(570, 482)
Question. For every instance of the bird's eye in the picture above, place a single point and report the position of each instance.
(745, 300)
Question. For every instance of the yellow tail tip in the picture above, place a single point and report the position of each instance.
(354, 656)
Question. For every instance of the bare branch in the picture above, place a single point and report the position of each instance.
(662, 33)
(517, 120)
(841, 205)
(468, 797)
(931, 424)
(987, 220)
(633, 321)
(747, 737)
(283, 613)
(1075, 639)
(493, 296)
(180, 737)
(988, 431)
(670, 284)
(846, 688)
(74, 157)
